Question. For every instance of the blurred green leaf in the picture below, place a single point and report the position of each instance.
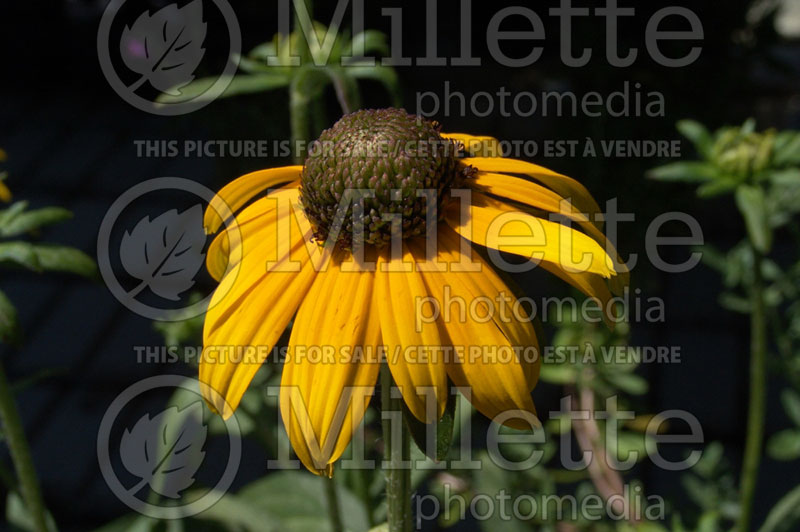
(791, 404)
(65, 259)
(369, 41)
(786, 177)
(753, 207)
(27, 221)
(558, 373)
(198, 90)
(717, 187)
(237, 513)
(784, 445)
(698, 134)
(9, 323)
(785, 514)
(786, 149)
(297, 499)
(443, 435)
(21, 253)
(687, 171)
(18, 517)
(7, 215)
(490, 480)
(709, 522)
(710, 460)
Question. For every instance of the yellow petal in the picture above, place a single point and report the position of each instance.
(476, 146)
(248, 313)
(413, 352)
(256, 218)
(539, 197)
(5, 192)
(565, 186)
(488, 221)
(491, 369)
(331, 367)
(239, 191)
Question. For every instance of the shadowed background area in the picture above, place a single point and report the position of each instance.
(71, 141)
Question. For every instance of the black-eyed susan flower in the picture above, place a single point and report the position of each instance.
(362, 246)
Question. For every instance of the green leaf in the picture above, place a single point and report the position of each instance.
(298, 500)
(371, 41)
(558, 373)
(443, 434)
(384, 527)
(791, 403)
(752, 205)
(237, 512)
(7, 215)
(9, 323)
(21, 253)
(710, 460)
(698, 134)
(18, 517)
(788, 177)
(490, 480)
(65, 259)
(198, 90)
(785, 514)
(25, 222)
(686, 171)
(717, 187)
(708, 522)
(786, 149)
(785, 445)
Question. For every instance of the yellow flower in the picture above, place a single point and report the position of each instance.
(377, 278)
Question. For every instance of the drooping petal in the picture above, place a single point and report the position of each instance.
(412, 343)
(486, 221)
(565, 186)
(251, 308)
(332, 365)
(495, 359)
(241, 190)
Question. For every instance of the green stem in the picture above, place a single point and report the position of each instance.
(398, 475)
(299, 102)
(333, 505)
(758, 391)
(21, 456)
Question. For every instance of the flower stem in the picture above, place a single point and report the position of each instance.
(21, 455)
(398, 474)
(758, 391)
(334, 514)
(299, 102)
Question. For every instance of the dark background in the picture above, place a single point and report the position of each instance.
(69, 138)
